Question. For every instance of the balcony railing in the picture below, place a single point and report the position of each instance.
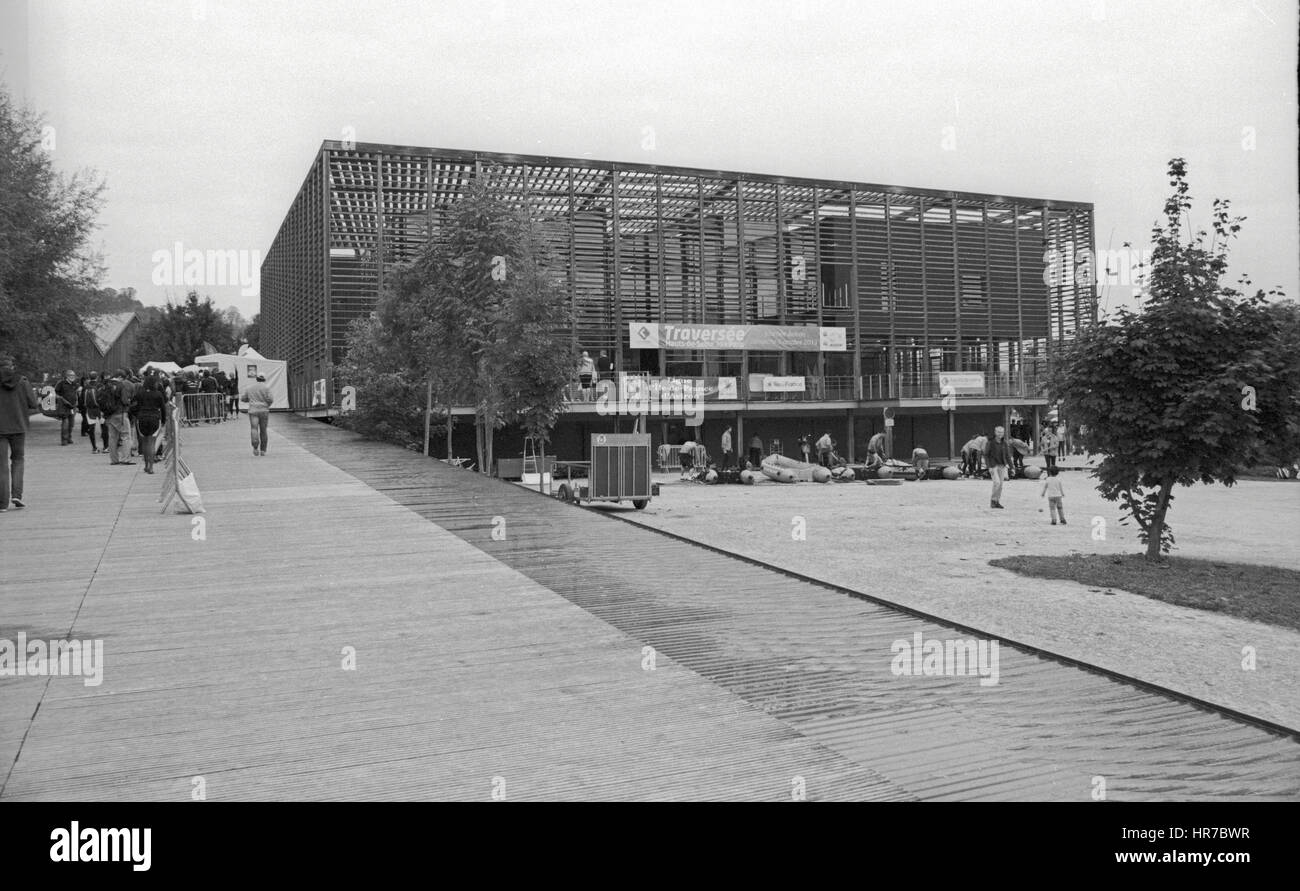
(834, 388)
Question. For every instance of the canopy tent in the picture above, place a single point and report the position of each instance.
(167, 367)
(245, 369)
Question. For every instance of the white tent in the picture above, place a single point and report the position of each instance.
(168, 367)
(245, 369)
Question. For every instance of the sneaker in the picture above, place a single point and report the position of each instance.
(1053, 522)
(19, 503)
(998, 506)
(132, 462)
(1063, 523)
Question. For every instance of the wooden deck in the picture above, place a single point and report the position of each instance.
(223, 656)
(518, 658)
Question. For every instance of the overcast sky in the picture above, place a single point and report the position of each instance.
(204, 115)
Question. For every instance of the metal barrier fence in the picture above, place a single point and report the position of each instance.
(203, 408)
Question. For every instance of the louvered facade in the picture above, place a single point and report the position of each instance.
(922, 281)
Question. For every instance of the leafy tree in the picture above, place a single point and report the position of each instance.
(179, 334)
(46, 265)
(531, 351)
(391, 394)
(478, 315)
(253, 333)
(1194, 387)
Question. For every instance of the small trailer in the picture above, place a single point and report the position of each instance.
(619, 470)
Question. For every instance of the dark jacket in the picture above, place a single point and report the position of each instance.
(17, 402)
(997, 454)
(66, 391)
(148, 403)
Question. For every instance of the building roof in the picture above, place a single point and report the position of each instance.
(105, 329)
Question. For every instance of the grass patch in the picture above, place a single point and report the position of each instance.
(1263, 593)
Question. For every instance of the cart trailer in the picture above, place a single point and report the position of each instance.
(619, 471)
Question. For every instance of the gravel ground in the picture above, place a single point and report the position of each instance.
(927, 546)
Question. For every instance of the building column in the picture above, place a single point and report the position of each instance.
(848, 431)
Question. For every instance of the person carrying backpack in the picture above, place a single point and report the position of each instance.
(112, 405)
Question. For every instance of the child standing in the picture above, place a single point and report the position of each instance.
(1055, 494)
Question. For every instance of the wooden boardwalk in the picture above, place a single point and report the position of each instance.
(223, 655)
(518, 661)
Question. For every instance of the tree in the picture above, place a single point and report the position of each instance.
(253, 333)
(531, 354)
(236, 322)
(46, 266)
(178, 336)
(391, 403)
(477, 313)
(1194, 387)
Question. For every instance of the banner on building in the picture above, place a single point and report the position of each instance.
(771, 383)
(803, 339)
(962, 382)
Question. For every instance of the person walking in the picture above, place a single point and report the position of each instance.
(997, 455)
(146, 411)
(726, 447)
(130, 386)
(259, 399)
(756, 451)
(1049, 447)
(113, 403)
(17, 403)
(604, 367)
(94, 417)
(805, 448)
(1054, 492)
(65, 393)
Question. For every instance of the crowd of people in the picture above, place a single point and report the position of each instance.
(124, 415)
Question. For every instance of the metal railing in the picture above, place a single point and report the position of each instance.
(202, 408)
(837, 388)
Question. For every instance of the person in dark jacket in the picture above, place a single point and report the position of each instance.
(17, 403)
(147, 412)
(65, 394)
(94, 417)
(997, 455)
(208, 387)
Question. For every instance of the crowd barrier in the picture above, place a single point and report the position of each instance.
(203, 408)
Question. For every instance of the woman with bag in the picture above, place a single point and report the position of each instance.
(147, 412)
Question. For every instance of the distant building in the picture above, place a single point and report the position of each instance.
(110, 339)
(795, 305)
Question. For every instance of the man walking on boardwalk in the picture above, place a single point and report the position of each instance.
(259, 399)
(17, 402)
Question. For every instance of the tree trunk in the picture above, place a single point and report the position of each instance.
(449, 423)
(478, 442)
(489, 434)
(428, 415)
(1156, 530)
(541, 470)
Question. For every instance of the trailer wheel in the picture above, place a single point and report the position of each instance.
(640, 503)
(566, 494)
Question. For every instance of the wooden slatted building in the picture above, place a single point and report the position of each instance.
(922, 281)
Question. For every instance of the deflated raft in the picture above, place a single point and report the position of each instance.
(787, 470)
